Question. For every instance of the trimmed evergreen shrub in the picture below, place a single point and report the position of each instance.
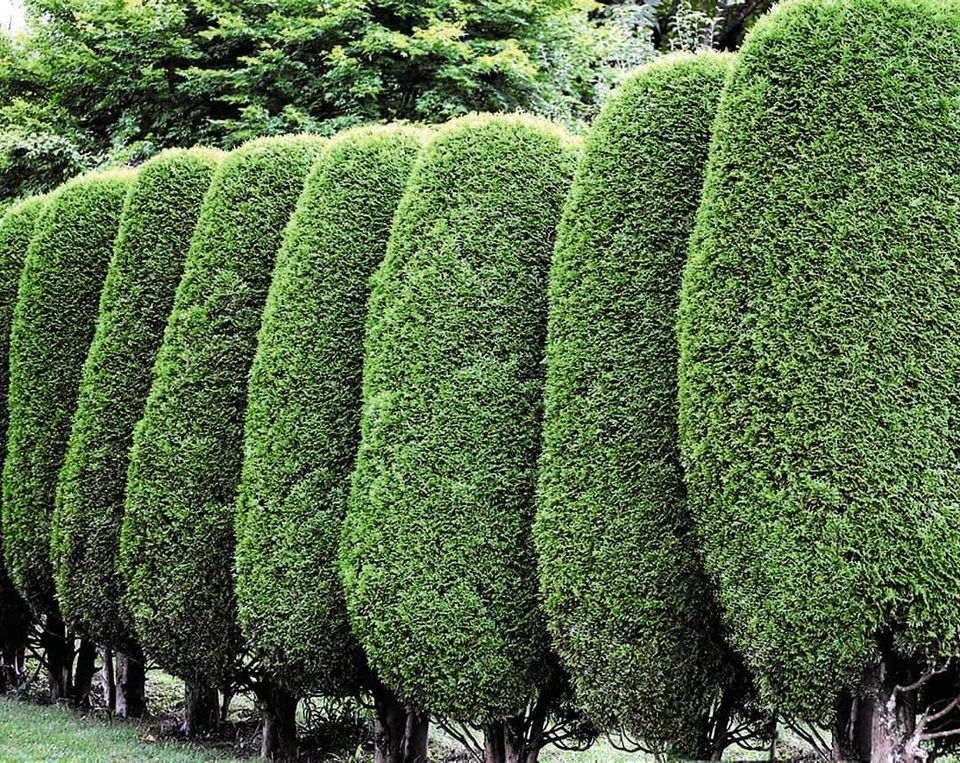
(177, 541)
(303, 403)
(16, 230)
(819, 345)
(629, 609)
(159, 217)
(437, 558)
(53, 323)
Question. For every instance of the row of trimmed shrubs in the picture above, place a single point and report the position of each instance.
(399, 412)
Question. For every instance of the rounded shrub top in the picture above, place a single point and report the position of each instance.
(303, 403)
(53, 323)
(820, 342)
(628, 606)
(16, 230)
(437, 558)
(158, 220)
(177, 542)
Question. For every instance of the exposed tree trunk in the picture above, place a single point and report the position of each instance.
(278, 710)
(390, 726)
(415, 737)
(131, 683)
(516, 740)
(58, 648)
(84, 672)
(226, 697)
(201, 711)
(716, 725)
(493, 743)
(11, 669)
(886, 718)
(845, 730)
(108, 685)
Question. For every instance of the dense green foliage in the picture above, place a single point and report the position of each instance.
(177, 541)
(820, 342)
(53, 323)
(159, 217)
(16, 231)
(628, 607)
(109, 79)
(303, 410)
(437, 558)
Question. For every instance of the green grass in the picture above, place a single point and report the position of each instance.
(45, 733)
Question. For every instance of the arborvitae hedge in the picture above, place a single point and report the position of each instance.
(158, 220)
(437, 557)
(177, 541)
(303, 421)
(628, 606)
(820, 342)
(53, 323)
(16, 231)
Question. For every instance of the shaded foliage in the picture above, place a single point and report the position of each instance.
(16, 231)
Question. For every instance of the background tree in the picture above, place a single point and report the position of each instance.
(53, 323)
(629, 607)
(158, 220)
(819, 351)
(95, 81)
(177, 535)
(16, 231)
(302, 422)
(437, 558)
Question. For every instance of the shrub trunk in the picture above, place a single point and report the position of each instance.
(131, 684)
(278, 710)
(201, 709)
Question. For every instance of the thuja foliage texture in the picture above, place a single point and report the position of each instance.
(628, 606)
(151, 248)
(819, 344)
(16, 230)
(303, 410)
(53, 323)
(177, 541)
(437, 557)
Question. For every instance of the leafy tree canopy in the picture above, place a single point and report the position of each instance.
(95, 81)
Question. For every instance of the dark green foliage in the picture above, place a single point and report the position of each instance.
(177, 541)
(16, 231)
(151, 248)
(628, 607)
(53, 323)
(437, 558)
(820, 342)
(303, 410)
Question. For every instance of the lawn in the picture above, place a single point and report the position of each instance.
(31, 733)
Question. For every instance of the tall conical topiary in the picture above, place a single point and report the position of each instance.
(437, 558)
(629, 608)
(303, 402)
(53, 323)
(177, 540)
(819, 351)
(16, 231)
(158, 220)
